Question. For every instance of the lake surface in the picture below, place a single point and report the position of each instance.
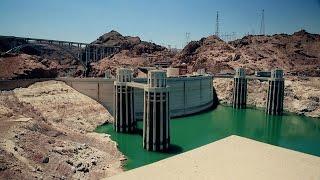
(290, 131)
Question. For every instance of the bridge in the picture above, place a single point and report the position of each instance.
(84, 52)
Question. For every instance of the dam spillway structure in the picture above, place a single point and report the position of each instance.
(156, 116)
(124, 102)
(275, 93)
(239, 89)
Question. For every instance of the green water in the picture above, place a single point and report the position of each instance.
(289, 131)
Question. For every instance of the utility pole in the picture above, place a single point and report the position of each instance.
(262, 27)
(217, 24)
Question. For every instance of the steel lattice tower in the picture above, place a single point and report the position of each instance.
(217, 24)
(187, 38)
(262, 27)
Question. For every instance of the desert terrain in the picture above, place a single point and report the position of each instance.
(47, 132)
(298, 54)
(47, 129)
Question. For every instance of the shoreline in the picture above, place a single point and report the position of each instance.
(301, 95)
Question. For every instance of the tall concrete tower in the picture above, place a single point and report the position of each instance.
(239, 89)
(275, 93)
(156, 116)
(124, 104)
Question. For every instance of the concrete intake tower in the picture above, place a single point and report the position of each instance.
(275, 93)
(239, 89)
(156, 116)
(124, 102)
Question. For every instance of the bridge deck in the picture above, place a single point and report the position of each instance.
(137, 85)
(55, 41)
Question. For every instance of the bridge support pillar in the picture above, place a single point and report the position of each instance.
(79, 52)
(107, 51)
(275, 93)
(156, 116)
(239, 89)
(87, 49)
(124, 120)
(100, 53)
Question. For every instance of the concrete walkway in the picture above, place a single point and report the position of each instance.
(233, 157)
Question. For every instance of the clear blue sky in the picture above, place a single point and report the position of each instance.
(162, 21)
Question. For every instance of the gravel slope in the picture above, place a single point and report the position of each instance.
(46, 131)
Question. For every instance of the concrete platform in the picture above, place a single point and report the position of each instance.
(233, 157)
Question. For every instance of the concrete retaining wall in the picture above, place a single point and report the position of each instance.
(188, 95)
(233, 157)
(98, 89)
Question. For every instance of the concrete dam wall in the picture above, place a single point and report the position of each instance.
(187, 95)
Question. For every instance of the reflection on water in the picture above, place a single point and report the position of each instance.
(239, 117)
(244, 126)
(272, 129)
(290, 131)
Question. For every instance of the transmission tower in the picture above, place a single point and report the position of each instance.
(217, 24)
(262, 27)
(187, 38)
(233, 35)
